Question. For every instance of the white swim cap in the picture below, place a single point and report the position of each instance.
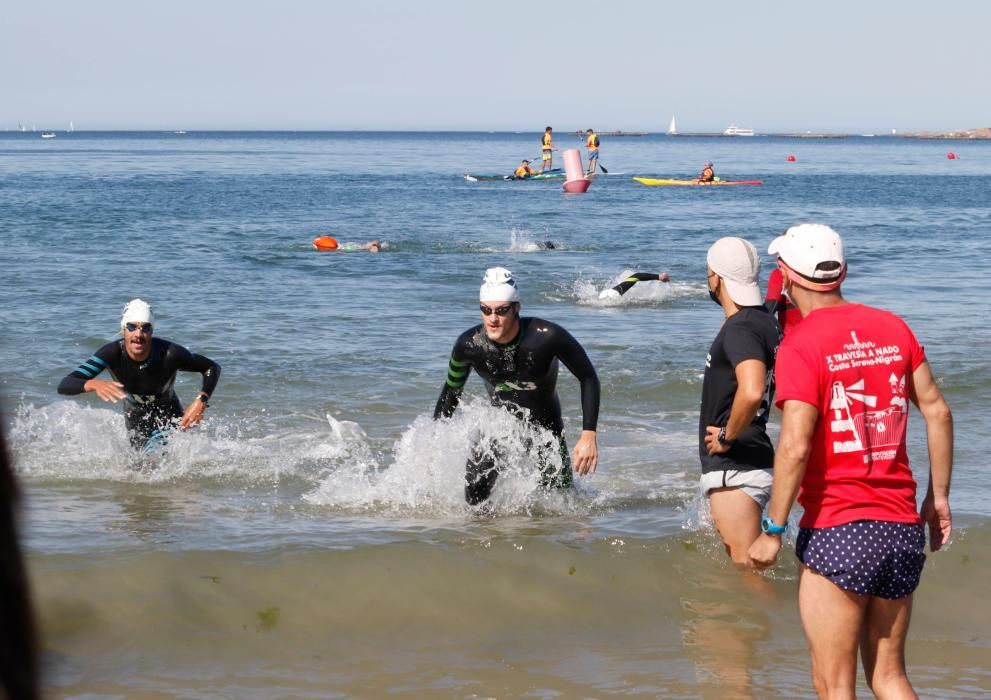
(137, 311)
(498, 285)
(609, 294)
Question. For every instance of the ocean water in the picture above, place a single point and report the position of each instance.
(310, 539)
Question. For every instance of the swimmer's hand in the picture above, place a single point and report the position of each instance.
(664, 277)
(106, 389)
(585, 456)
(192, 415)
(764, 551)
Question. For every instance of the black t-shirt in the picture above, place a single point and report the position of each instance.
(749, 334)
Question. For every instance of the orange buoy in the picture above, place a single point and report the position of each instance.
(791, 159)
(951, 156)
(325, 243)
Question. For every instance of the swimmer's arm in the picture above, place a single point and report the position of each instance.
(929, 399)
(798, 423)
(191, 362)
(83, 378)
(458, 370)
(574, 357)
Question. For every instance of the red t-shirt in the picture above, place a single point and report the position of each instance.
(788, 315)
(852, 362)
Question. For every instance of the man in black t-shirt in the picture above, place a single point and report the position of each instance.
(735, 451)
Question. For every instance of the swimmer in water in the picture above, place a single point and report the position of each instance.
(143, 371)
(371, 247)
(517, 359)
(627, 283)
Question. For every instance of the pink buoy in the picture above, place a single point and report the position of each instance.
(575, 180)
(791, 159)
(577, 186)
(951, 156)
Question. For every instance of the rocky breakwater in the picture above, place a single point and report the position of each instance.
(980, 133)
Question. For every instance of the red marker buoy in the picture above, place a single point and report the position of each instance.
(791, 159)
(325, 243)
(951, 156)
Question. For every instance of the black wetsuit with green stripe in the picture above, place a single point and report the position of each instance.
(624, 286)
(151, 402)
(520, 374)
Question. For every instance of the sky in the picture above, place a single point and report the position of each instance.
(842, 66)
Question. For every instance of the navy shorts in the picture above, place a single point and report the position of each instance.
(867, 557)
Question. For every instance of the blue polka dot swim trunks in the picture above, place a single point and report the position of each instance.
(867, 557)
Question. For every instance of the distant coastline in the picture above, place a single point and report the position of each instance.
(981, 133)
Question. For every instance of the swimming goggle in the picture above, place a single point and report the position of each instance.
(500, 311)
(143, 327)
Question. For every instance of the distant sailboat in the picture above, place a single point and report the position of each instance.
(71, 128)
(673, 128)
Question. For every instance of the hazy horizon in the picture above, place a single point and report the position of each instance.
(384, 65)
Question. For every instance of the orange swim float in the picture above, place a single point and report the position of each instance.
(325, 243)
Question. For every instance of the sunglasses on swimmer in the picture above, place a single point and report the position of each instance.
(498, 311)
(143, 327)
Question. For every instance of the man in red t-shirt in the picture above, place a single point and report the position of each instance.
(845, 376)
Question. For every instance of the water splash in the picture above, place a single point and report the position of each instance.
(427, 473)
(69, 441)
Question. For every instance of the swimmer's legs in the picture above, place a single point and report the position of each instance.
(480, 473)
(552, 476)
(481, 469)
(143, 423)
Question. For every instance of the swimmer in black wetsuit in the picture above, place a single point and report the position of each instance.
(630, 280)
(517, 358)
(144, 370)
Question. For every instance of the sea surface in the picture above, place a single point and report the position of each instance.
(310, 539)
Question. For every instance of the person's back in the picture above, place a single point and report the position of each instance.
(708, 173)
(845, 377)
(852, 362)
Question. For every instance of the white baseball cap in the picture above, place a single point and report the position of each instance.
(737, 262)
(137, 311)
(498, 285)
(815, 253)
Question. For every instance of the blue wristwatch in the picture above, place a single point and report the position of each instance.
(772, 528)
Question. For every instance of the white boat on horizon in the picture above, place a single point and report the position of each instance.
(47, 134)
(673, 128)
(734, 130)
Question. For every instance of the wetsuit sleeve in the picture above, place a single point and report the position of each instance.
(74, 382)
(574, 357)
(624, 286)
(191, 362)
(458, 368)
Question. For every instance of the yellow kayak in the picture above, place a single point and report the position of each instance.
(654, 182)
